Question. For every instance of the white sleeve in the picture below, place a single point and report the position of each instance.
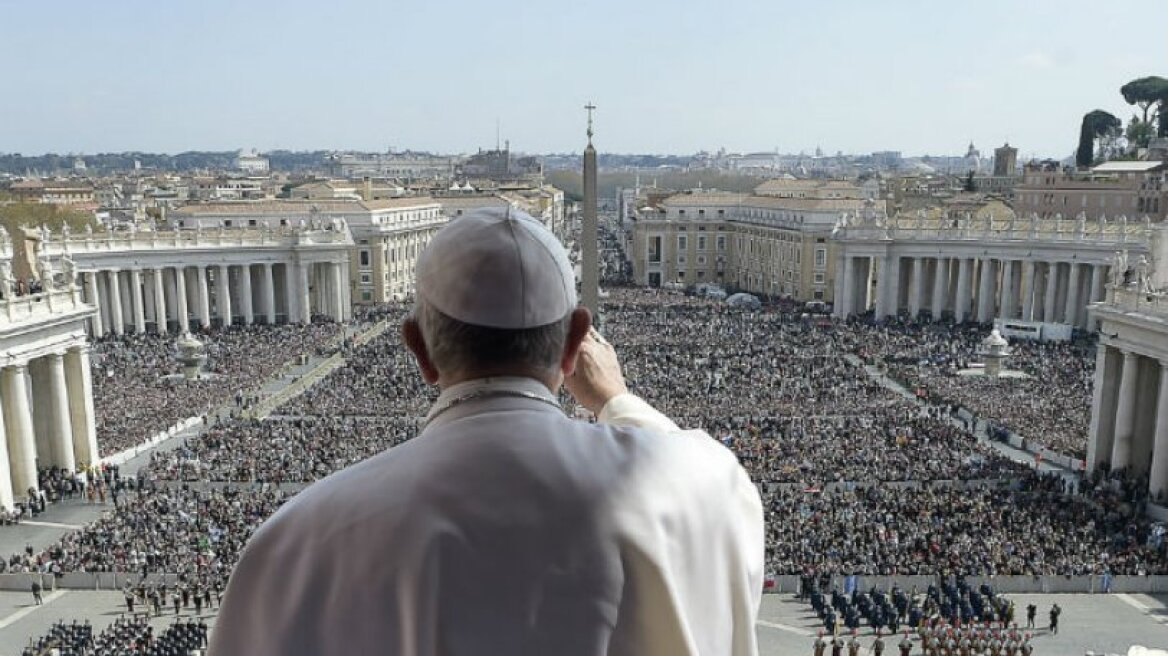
(631, 410)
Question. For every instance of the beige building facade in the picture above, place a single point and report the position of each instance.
(769, 245)
(387, 235)
(1112, 189)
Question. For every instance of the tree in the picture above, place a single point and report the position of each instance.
(1096, 124)
(1145, 92)
(1139, 133)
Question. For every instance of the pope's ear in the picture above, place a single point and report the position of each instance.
(578, 325)
(412, 338)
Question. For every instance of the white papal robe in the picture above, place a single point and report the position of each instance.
(506, 528)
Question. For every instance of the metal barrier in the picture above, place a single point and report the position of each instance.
(1046, 584)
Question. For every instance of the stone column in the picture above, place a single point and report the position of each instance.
(1125, 414)
(847, 301)
(304, 293)
(963, 295)
(940, 287)
(837, 301)
(204, 298)
(137, 302)
(96, 325)
(79, 382)
(916, 286)
(245, 294)
(1051, 292)
(1027, 290)
(1098, 276)
(21, 439)
(881, 265)
(1071, 314)
(180, 289)
(1158, 474)
(115, 299)
(268, 288)
(127, 303)
(223, 294)
(891, 285)
(1007, 308)
(159, 302)
(1102, 431)
(291, 298)
(985, 292)
(61, 436)
(338, 291)
(6, 498)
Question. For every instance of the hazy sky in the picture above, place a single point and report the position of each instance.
(669, 76)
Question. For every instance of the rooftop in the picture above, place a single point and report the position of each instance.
(325, 206)
(1147, 166)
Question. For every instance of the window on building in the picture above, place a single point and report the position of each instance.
(364, 258)
(819, 277)
(366, 295)
(818, 295)
(721, 242)
(655, 249)
(820, 258)
(682, 243)
(701, 242)
(366, 279)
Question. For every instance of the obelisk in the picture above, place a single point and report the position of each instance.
(590, 266)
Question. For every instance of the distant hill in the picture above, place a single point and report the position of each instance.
(48, 164)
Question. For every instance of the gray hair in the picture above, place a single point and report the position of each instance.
(457, 346)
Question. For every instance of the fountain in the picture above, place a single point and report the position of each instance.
(192, 355)
(993, 351)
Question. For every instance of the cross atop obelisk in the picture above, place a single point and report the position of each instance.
(589, 230)
(591, 108)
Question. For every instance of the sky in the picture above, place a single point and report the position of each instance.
(668, 76)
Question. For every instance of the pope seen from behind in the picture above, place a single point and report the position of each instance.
(507, 528)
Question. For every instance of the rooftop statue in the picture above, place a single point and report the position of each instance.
(6, 279)
(1119, 269)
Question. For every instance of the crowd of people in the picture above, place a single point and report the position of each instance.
(132, 635)
(138, 393)
(784, 394)
(1049, 406)
(280, 450)
(856, 478)
(379, 379)
(194, 532)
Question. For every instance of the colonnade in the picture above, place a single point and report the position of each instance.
(1129, 415)
(969, 288)
(176, 298)
(46, 418)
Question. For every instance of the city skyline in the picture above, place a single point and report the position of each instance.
(667, 78)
